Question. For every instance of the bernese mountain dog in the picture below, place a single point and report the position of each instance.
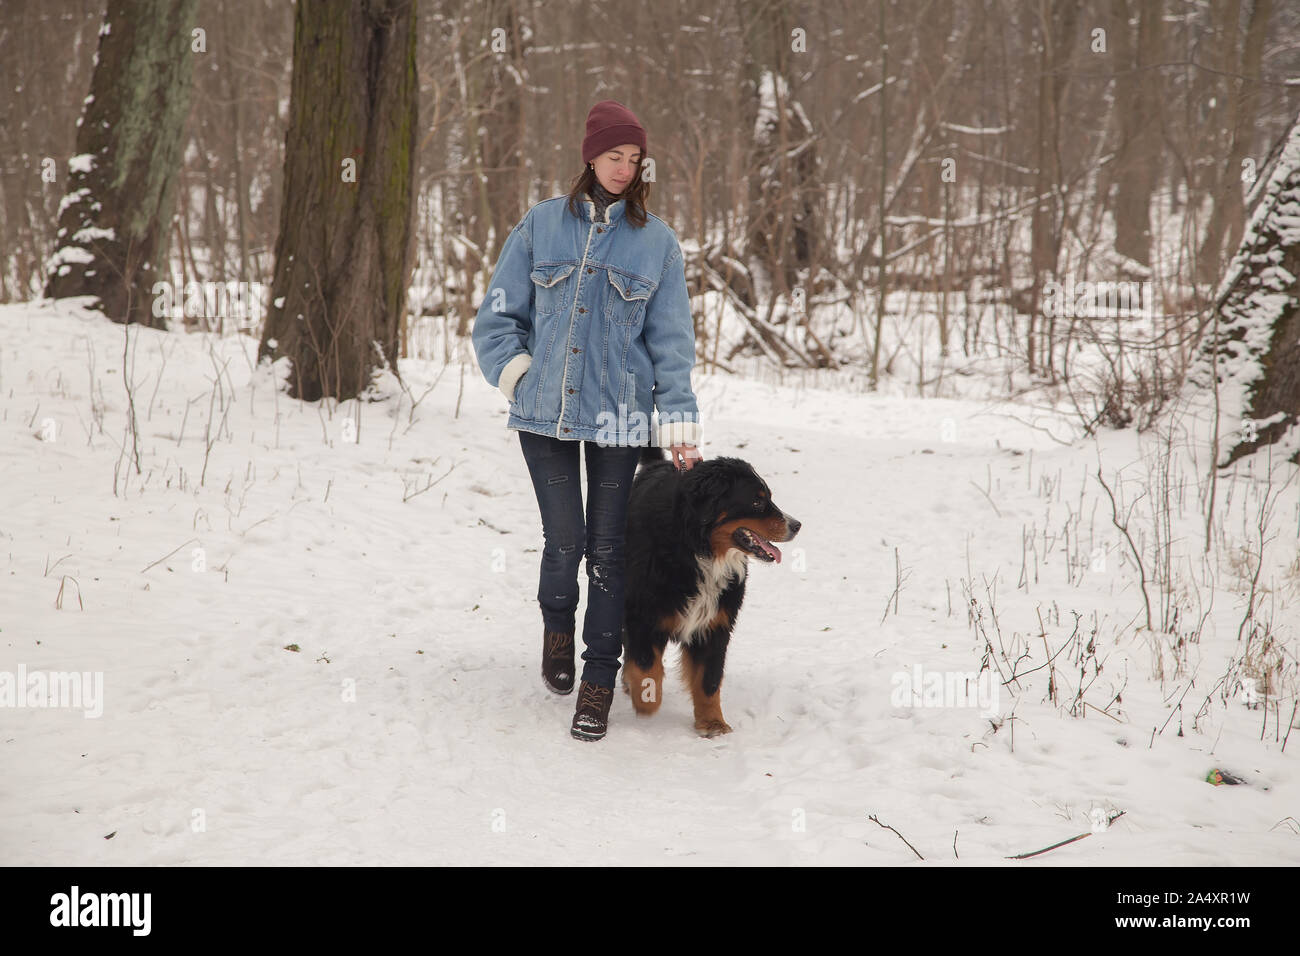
(690, 535)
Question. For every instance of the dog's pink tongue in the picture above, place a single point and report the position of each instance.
(771, 549)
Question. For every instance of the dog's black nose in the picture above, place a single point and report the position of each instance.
(794, 526)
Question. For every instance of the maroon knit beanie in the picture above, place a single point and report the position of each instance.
(610, 124)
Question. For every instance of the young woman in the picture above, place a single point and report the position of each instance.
(586, 328)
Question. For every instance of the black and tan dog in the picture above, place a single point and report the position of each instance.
(690, 535)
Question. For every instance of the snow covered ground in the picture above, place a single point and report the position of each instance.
(411, 725)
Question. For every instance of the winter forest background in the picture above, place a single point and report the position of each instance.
(1054, 245)
(989, 148)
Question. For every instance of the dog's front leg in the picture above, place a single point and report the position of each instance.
(644, 682)
(702, 671)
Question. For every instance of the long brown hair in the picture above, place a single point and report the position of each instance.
(636, 193)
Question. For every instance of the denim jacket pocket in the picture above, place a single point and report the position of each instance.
(524, 404)
(627, 300)
(550, 287)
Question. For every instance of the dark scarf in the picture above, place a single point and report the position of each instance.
(602, 198)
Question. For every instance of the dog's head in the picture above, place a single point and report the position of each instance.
(725, 505)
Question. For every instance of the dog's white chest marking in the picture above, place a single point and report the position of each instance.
(714, 577)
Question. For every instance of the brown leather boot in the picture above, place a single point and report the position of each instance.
(557, 661)
(592, 716)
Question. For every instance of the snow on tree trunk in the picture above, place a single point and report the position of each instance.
(1258, 303)
(114, 220)
(343, 255)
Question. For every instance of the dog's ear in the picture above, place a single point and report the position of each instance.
(707, 484)
(704, 489)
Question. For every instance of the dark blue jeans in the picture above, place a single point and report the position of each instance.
(554, 466)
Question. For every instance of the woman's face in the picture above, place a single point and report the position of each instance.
(616, 168)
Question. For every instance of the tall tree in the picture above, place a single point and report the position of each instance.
(1254, 347)
(499, 144)
(343, 254)
(1138, 102)
(1237, 118)
(113, 227)
(1056, 39)
(783, 189)
(41, 95)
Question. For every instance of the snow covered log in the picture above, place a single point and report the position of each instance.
(1255, 351)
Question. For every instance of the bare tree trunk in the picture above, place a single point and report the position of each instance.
(45, 71)
(214, 230)
(779, 242)
(882, 280)
(342, 258)
(236, 150)
(116, 218)
(1239, 117)
(1138, 101)
(1056, 26)
(502, 150)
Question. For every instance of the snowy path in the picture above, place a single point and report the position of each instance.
(412, 726)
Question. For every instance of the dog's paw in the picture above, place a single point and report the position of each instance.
(713, 728)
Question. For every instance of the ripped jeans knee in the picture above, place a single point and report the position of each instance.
(605, 567)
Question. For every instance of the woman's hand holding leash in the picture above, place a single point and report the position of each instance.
(685, 457)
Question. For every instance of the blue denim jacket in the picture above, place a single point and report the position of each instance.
(586, 327)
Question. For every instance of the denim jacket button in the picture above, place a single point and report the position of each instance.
(570, 391)
(600, 228)
(590, 269)
(575, 351)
